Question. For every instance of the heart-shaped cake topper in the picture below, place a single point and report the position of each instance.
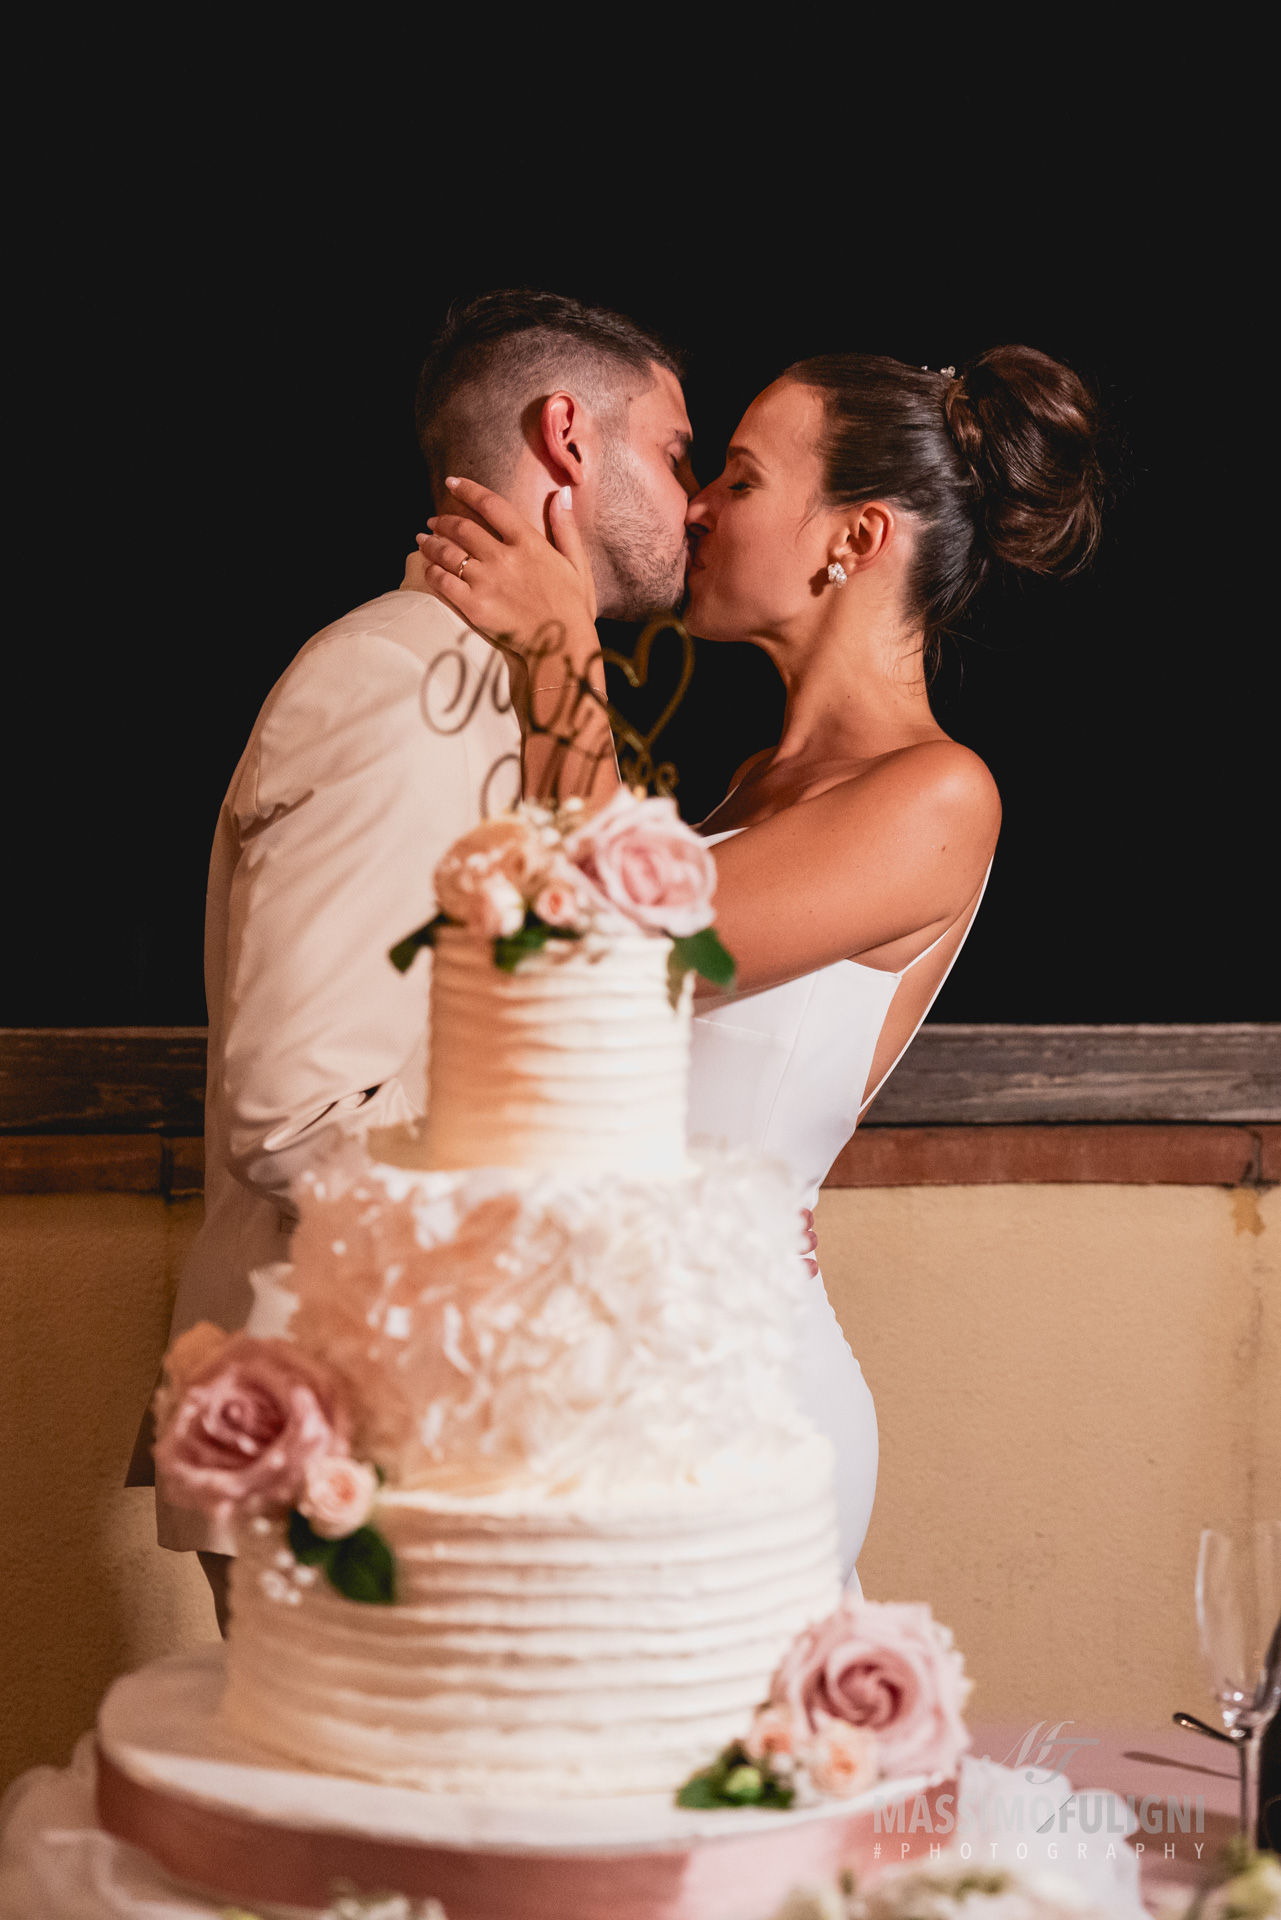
(640, 770)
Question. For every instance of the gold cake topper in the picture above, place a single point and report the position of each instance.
(559, 708)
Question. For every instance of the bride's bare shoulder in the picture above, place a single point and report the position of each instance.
(943, 786)
(942, 770)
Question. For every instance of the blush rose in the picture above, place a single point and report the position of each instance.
(243, 1426)
(648, 864)
(338, 1495)
(886, 1666)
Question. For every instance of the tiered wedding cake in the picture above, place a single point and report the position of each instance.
(527, 1507)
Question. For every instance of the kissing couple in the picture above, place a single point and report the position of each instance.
(862, 505)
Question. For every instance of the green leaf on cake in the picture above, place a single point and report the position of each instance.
(734, 1779)
(702, 1791)
(405, 952)
(362, 1567)
(307, 1546)
(703, 953)
(511, 948)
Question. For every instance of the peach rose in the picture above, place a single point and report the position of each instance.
(886, 1666)
(841, 1760)
(648, 864)
(486, 878)
(338, 1495)
(240, 1431)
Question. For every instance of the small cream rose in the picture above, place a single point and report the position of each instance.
(774, 1733)
(841, 1760)
(338, 1495)
(567, 898)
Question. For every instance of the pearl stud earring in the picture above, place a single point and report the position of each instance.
(837, 574)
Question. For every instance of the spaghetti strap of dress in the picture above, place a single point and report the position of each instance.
(938, 989)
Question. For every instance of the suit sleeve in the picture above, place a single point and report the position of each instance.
(334, 822)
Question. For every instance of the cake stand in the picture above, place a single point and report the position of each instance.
(229, 1819)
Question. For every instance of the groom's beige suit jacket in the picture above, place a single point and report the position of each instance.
(387, 737)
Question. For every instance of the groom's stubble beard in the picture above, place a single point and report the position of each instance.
(638, 566)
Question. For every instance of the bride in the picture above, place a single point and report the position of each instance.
(862, 504)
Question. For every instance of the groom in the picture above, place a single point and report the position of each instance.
(388, 736)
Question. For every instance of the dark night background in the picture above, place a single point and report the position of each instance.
(225, 461)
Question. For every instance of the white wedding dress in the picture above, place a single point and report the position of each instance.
(783, 1072)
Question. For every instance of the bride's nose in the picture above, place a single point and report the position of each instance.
(699, 517)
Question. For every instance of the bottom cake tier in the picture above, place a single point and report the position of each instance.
(538, 1648)
(217, 1813)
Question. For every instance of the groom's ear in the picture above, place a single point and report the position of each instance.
(566, 429)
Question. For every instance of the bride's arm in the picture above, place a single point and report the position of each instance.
(875, 868)
(537, 603)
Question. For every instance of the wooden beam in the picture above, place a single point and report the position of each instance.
(99, 1080)
(102, 1163)
(1130, 1156)
(994, 1076)
(1192, 1156)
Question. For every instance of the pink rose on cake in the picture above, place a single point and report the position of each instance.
(240, 1420)
(185, 1359)
(887, 1667)
(554, 874)
(647, 863)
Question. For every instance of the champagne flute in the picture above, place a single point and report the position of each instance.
(1238, 1610)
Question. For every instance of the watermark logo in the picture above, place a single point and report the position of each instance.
(1038, 1814)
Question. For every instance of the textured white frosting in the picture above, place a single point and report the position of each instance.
(574, 1061)
(540, 1647)
(539, 1332)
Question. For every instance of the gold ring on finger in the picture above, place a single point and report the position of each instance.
(462, 563)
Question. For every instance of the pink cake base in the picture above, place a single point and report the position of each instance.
(223, 1817)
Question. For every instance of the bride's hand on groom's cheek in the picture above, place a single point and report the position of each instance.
(504, 577)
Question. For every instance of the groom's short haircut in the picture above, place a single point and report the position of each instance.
(503, 351)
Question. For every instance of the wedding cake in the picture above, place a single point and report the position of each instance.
(526, 1507)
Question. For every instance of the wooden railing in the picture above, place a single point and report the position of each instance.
(121, 1108)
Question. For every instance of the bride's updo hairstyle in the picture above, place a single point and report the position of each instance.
(998, 463)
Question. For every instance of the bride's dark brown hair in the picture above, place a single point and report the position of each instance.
(998, 463)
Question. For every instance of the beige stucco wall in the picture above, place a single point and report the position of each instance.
(1069, 1381)
(86, 1283)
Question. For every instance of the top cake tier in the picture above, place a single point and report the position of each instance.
(575, 1061)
